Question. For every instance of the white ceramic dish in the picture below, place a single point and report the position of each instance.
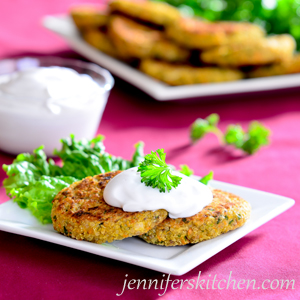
(63, 26)
(171, 260)
(26, 127)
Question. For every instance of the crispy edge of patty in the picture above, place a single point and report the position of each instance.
(80, 212)
(88, 16)
(272, 49)
(180, 74)
(286, 67)
(169, 51)
(133, 40)
(158, 13)
(130, 38)
(226, 212)
(100, 41)
(198, 34)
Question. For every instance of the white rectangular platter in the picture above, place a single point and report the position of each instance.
(171, 260)
(64, 27)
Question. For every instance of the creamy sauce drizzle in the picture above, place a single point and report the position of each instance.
(126, 191)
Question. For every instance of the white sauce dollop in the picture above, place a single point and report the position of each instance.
(126, 191)
(47, 88)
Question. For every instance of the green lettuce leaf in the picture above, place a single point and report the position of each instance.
(26, 169)
(38, 196)
(88, 158)
(33, 181)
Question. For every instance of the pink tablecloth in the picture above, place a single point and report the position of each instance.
(33, 269)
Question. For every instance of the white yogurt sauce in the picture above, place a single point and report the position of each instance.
(41, 105)
(47, 89)
(126, 191)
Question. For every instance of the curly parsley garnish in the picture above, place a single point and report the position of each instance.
(156, 173)
(205, 180)
(184, 169)
(201, 127)
(249, 141)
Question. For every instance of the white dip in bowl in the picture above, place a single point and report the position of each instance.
(45, 99)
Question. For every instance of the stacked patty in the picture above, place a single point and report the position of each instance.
(157, 39)
(226, 212)
(80, 212)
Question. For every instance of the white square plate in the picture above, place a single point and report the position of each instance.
(170, 260)
(64, 26)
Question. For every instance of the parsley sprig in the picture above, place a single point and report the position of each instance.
(184, 169)
(205, 179)
(156, 173)
(201, 127)
(249, 141)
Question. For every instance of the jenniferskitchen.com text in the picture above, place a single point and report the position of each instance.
(210, 282)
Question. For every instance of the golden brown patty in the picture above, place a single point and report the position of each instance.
(185, 74)
(286, 67)
(80, 212)
(100, 41)
(264, 51)
(133, 40)
(198, 34)
(226, 212)
(169, 51)
(88, 16)
(153, 12)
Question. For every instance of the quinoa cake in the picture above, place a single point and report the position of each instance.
(226, 212)
(100, 41)
(130, 38)
(134, 40)
(273, 49)
(89, 16)
(168, 51)
(291, 66)
(198, 34)
(79, 211)
(182, 74)
(157, 13)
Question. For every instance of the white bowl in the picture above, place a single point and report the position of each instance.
(23, 130)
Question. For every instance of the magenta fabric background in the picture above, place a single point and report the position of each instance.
(33, 269)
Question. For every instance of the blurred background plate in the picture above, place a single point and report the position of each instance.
(63, 26)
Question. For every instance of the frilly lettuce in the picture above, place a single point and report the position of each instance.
(33, 180)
